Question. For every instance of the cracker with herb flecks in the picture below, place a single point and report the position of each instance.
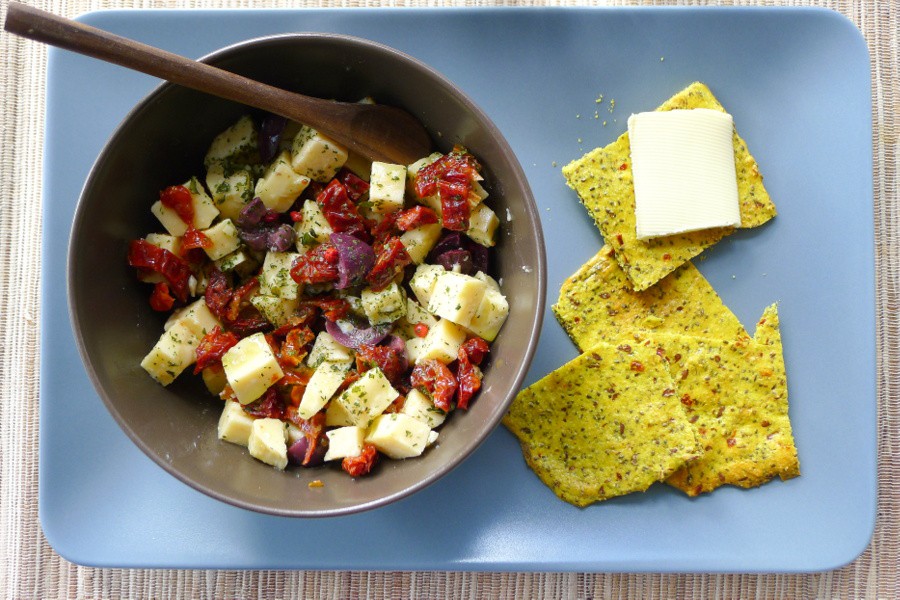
(597, 304)
(735, 395)
(605, 424)
(603, 180)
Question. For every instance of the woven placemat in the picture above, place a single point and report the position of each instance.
(29, 568)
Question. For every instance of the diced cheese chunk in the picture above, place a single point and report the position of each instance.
(327, 348)
(236, 142)
(488, 280)
(384, 306)
(196, 316)
(398, 435)
(224, 237)
(235, 424)
(251, 368)
(456, 297)
(684, 174)
(386, 187)
(231, 188)
(313, 228)
(325, 381)
(268, 442)
(367, 397)
(214, 379)
(423, 280)
(280, 185)
(415, 314)
(337, 415)
(420, 407)
(238, 261)
(358, 165)
(275, 276)
(483, 224)
(414, 347)
(172, 354)
(490, 315)
(277, 311)
(204, 211)
(345, 442)
(316, 156)
(419, 241)
(478, 193)
(442, 342)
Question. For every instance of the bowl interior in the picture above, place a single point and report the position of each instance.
(162, 142)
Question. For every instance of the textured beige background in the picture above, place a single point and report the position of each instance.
(30, 569)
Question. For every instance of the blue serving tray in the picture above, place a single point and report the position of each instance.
(796, 81)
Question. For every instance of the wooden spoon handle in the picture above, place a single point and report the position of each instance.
(348, 123)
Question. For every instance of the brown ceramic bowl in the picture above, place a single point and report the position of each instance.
(163, 141)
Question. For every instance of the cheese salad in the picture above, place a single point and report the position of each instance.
(341, 309)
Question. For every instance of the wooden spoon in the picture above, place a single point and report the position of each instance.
(377, 132)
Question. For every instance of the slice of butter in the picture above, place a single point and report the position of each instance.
(684, 173)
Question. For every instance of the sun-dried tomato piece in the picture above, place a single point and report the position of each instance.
(340, 212)
(390, 261)
(433, 377)
(194, 238)
(333, 309)
(473, 350)
(147, 257)
(458, 162)
(455, 209)
(469, 376)
(416, 216)
(248, 323)
(240, 298)
(212, 347)
(296, 345)
(357, 187)
(317, 265)
(161, 300)
(179, 199)
(357, 466)
(302, 317)
(269, 405)
(391, 362)
(384, 230)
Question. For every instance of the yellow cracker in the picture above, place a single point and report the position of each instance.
(603, 180)
(596, 304)
(735, 393)
(605, 424)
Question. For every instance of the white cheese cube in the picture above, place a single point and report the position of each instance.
(312, 229)
(420, 407)
(204, 211)
(251, 368)
(442, 342)
(337, 415)
(415, 314)
(490, 315)
(419, 241)
(483, 224)
(423, 280)
(414, 347)
(386, 187)
(684, 174)
(478, 194)
(231, 188)
(172, 354)
(325, 381)
(398, 435)
(277, 311)
(238, 141)
(488, 280)
(358, 165)
(224, 237)
(326, 348)
(268, 442)
(367, 397)
(316, 156)
(456, 297)
(165, 241)
(280, 185)
(275, 277)
(345, 442)
(214, 379)
(238, 261)
(235, 424)
(384, 306)
(196, 316)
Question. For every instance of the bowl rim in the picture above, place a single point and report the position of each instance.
(540, 268)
